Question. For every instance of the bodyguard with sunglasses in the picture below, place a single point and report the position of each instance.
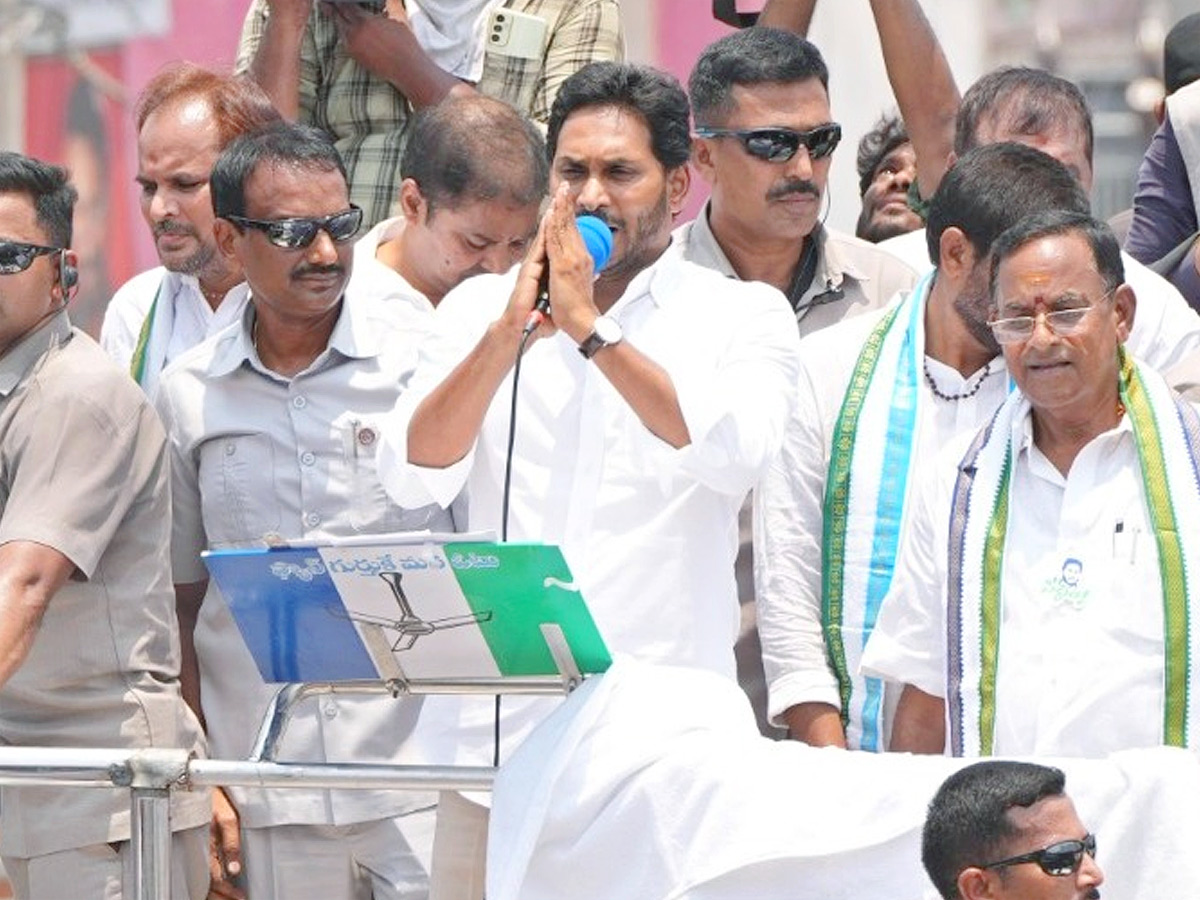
(764, 141)
(273, 429)
(88, 652)
(1005, 830)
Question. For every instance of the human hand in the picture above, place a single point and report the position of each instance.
(224, 850)
(571, 268)
(369, 38)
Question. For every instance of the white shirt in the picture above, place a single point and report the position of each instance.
(1081, 662)
(253, 455)
(375, 279)
(648, 531)
(182, 319)
(1165, 329)
(789, 513)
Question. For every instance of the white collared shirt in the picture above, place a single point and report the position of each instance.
(1081, 666)
(650, 532)
(182, 319)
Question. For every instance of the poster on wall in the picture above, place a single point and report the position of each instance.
(74, 120)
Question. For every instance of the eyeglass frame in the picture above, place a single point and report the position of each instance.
(321, 223)
(1070, 318)
(1085, 845)
(35, 250)
(803, 139)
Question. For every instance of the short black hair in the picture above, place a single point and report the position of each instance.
(48, 189)
(473, 148)
(967, 823)
(991, 188)
(1027, 101)
(888, 134)
(283, 144)
(655, 96)
(1181, 53)
(757, 55)
(1106, 251)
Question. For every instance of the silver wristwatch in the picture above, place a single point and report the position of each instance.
(605, 332)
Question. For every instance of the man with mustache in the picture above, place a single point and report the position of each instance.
(185, 117)
(764, 143)
(648, 402)
(273, 427)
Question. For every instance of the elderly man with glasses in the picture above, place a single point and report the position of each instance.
(764, 140)
(1093, 460)
(273, 427)
(1006, 830)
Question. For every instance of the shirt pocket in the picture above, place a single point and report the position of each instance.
(238, 493)
(370, 510)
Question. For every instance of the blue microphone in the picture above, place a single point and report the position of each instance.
(598, 239)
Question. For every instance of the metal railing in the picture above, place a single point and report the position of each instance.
(151, 775)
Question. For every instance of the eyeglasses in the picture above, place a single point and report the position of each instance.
(1063, 858)
(1063, 322)
(295, 234)
(17, 257)
(781, 144)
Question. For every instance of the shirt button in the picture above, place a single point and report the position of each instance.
(312, 520)
(308, 458)
(230, 448)
(299, 402)
(329, 708)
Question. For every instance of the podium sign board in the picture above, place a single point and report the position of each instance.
(419, 606)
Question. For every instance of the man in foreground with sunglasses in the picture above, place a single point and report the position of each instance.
(185, 117)
(273, 428)
(1006, 830)
(764, 141)
(88, 656)
(1041, 598)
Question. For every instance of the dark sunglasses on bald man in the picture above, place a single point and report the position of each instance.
(780, 144)
(1061, 859)
(17, 257)
(295, 234)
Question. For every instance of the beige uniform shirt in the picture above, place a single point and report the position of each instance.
(83, 469)
(852, 277)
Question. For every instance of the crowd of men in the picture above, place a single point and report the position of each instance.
(974, 495)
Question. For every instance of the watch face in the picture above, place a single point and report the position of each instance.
(607, 330)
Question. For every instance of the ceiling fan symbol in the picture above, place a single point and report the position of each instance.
(410, 627)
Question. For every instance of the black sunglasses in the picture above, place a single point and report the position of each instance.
(17, 257)
(781, 144)
(295, 234)
(1063, 858)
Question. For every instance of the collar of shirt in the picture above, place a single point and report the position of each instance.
(376, 280)
(832, 265)
(1024, 444)
(353, 337)
(16, 362)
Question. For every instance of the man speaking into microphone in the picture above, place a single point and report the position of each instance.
(649, 399)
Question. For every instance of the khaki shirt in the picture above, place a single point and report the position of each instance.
(853, 277)
(83, 469)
